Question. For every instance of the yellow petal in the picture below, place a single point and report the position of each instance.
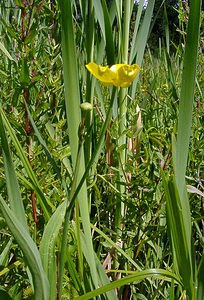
(118, 75)
(126, 74)
(101, 73)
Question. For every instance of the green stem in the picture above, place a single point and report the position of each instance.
(122, 115)
(95, 154)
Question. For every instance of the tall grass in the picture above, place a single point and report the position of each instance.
(82, 184)
(178, 208)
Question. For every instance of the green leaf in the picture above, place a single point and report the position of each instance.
(30, 251)
(4, 50)
(99, 15)
(136, 277)
(141, 40)
(187, 93)
(109, 36)
(24, 73)
(101, 274)
(200, 289)
(16, 95)
(14, 194)
(47, 247)
(12, 33)
(5, 253)
(180, 235)
(32, 33)
(73, 112)
(20, 3)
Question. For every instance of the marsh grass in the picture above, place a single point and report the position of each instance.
(89, 198)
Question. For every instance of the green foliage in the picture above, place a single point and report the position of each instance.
(100, 203)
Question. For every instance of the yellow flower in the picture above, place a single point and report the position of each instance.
(118, 75)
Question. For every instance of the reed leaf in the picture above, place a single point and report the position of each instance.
(187, 93)
(72, 103)
(178, 208)
(30, 252)
(13, 189)
(47, 247)
(135, 277)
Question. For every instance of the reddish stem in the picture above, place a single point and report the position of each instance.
(28, 127)
(35, 217)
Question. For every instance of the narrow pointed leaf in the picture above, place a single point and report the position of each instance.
(30, 251)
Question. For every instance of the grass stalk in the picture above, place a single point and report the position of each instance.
(72, 103)
(120, 207)
(178, 208)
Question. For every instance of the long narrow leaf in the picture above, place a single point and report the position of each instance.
(30, 251)
(103, 277)
(72, 103)
(141, 40)
(47, 247)
(138, 276)
(109, 36)
(187, 93)
(200, 289)
(14, 194)
(180, 237)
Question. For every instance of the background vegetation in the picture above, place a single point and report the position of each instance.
(101, 187)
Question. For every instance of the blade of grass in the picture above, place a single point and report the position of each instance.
(141, 41)
(5, 51)
(109, 36)
(47, 247)
(136, 277)
(114, 245)
(136, 28)
(74, 275)
(43, 143)
(72, 104)
(99, 16)
(101, 274)
(119, 250)
(178, 208)
(95, 155)
(200, 289)
(30, 251)
(4, 254)
(14, 194)
(179, 236)
(187, 93)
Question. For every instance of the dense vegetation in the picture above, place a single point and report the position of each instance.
(101, 187)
